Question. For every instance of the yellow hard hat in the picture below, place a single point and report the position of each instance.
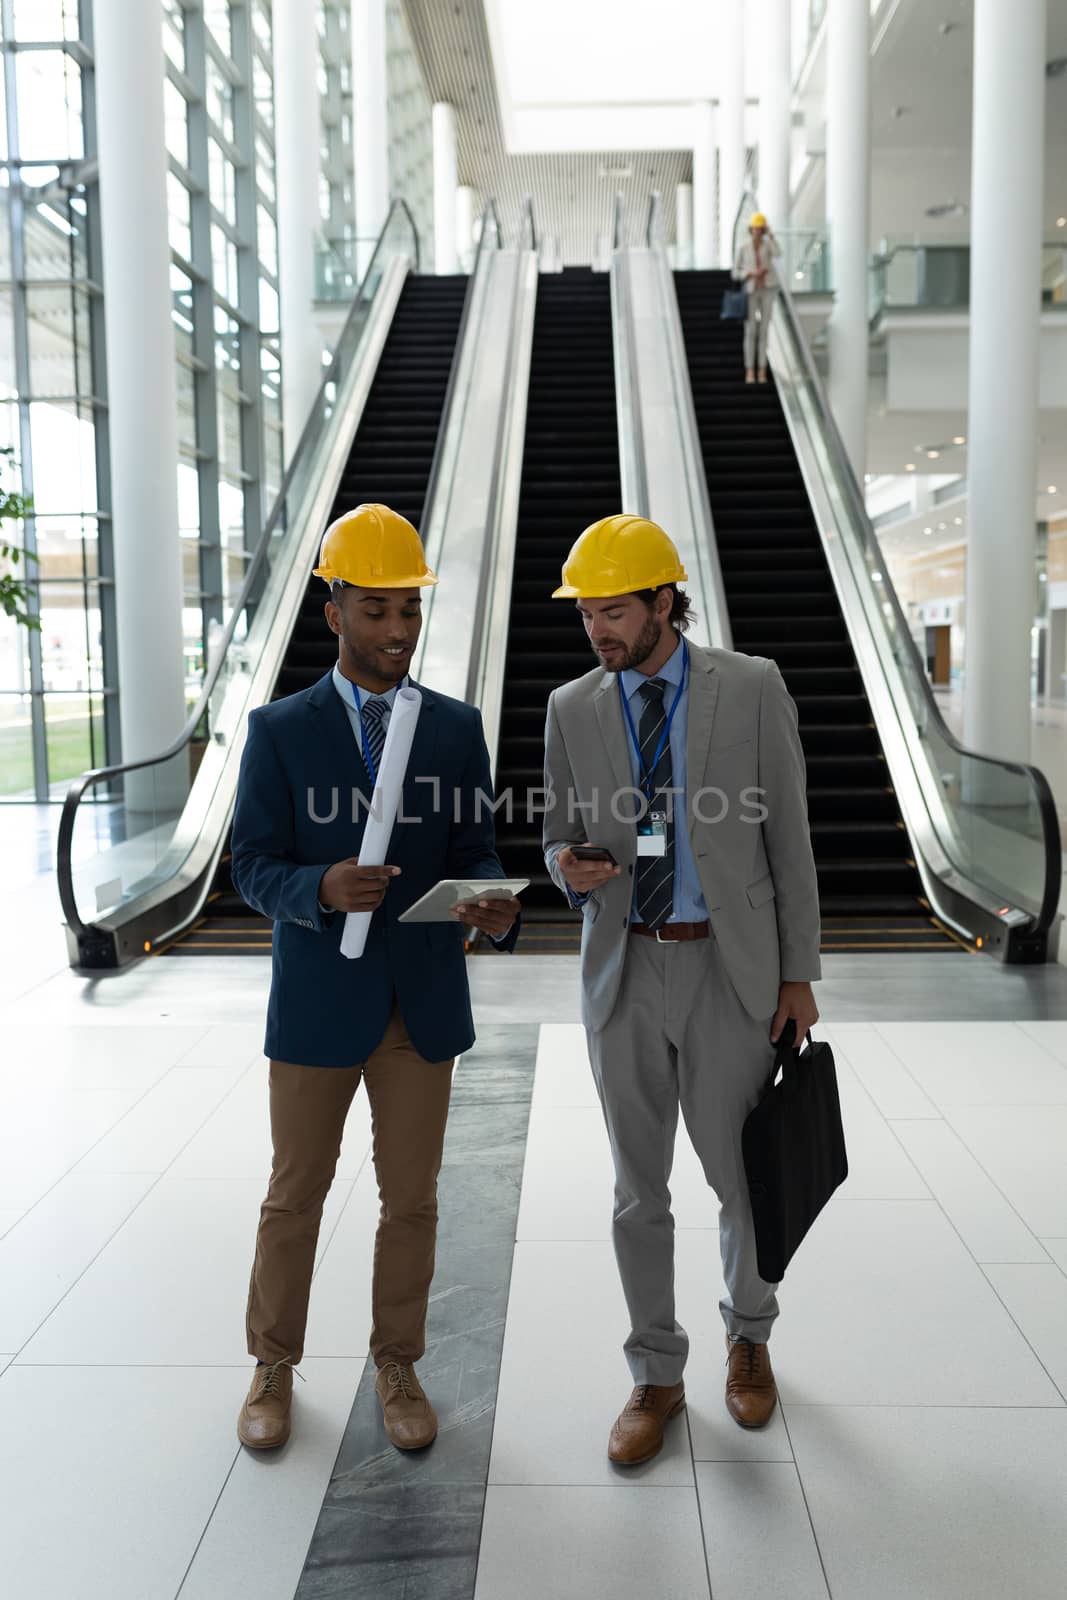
(374, 548)
(619, 555)
(758, 220)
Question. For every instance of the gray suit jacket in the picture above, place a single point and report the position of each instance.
(748, 823)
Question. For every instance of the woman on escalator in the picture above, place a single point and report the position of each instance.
(754, 269)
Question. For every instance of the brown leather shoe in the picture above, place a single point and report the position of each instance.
(264, 1420)
(638, 1432)
(408, 1415)
(751, 1395)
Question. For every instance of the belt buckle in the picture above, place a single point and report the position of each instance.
(660, 939)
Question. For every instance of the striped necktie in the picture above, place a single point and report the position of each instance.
(655, 874)
(374, 709)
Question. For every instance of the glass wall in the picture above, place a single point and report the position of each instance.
(219, 112)
(58, 703)
(410, 126)
(59, 694)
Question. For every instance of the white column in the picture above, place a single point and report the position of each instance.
(142, 387)
(298, 161)
(731, 126)
(847, 211)
(705, 202)
(370, 125)
(1007, 177)
(465, 226)
(445, 182)
(775, 113)
(683, 225)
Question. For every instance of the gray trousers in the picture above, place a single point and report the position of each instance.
(758, 325)
(679, 1036)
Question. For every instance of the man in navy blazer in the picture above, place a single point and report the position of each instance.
(396, 1017)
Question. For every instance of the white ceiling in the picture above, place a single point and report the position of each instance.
(921, 107)
(550, 94)
(585, 74)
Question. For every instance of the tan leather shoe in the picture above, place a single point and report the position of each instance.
(638, 1432)
(408, 1415)
(751, 1394)
(264, 1420)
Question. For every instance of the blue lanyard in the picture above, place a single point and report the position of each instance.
(648, 772)
(368, 758)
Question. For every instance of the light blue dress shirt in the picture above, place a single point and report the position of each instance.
(344, 688)
(689, 903)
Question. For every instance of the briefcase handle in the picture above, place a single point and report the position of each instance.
(786, 1051)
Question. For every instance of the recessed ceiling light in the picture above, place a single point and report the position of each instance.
(1061, 222)
(1052, 488)
(942, 526)
(933, 454)
(877, 576)
(909, 466)
(1042, 577)
(958, 521)
(928, 530)
(959, 439)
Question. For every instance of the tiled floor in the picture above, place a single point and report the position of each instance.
(920, 1449)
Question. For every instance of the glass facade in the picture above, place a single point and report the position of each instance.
(219, 117)
(59, 694)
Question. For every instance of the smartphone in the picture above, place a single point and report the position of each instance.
(592, 852)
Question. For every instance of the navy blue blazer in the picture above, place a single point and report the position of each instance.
(302, 777)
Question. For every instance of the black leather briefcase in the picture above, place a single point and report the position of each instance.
(794, 1150)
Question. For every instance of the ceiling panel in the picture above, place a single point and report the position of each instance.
(573, 194)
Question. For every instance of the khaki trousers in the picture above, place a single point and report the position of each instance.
(308, 1105)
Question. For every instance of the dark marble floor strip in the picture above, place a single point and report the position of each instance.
(408, 1527)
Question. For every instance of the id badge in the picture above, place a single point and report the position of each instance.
(652, 834)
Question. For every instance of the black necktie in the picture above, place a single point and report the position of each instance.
(374, 710)
(655, 874)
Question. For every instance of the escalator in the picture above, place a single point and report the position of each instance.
(570, 477)
(782, 603)
(390, 461)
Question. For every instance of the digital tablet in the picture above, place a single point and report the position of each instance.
(436, 906)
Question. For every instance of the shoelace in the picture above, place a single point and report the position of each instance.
(398, 1379)
(269, 1384)
(642, 1398)
(753, 1356)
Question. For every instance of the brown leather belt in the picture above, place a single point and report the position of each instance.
(672, 932)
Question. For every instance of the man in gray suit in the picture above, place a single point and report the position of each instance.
(700, 933)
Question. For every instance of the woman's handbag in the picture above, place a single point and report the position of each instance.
(794, 1150)
(734, 306)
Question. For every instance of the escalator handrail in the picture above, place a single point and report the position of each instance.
(618, 220)
(308, 438)
(489, 214)
(847, 478)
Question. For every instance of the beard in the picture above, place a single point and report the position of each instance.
(647, 641)
(373, 665)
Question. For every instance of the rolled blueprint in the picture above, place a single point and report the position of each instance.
(385, 802)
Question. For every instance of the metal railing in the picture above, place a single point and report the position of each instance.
(296, 483)
(935, 274)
